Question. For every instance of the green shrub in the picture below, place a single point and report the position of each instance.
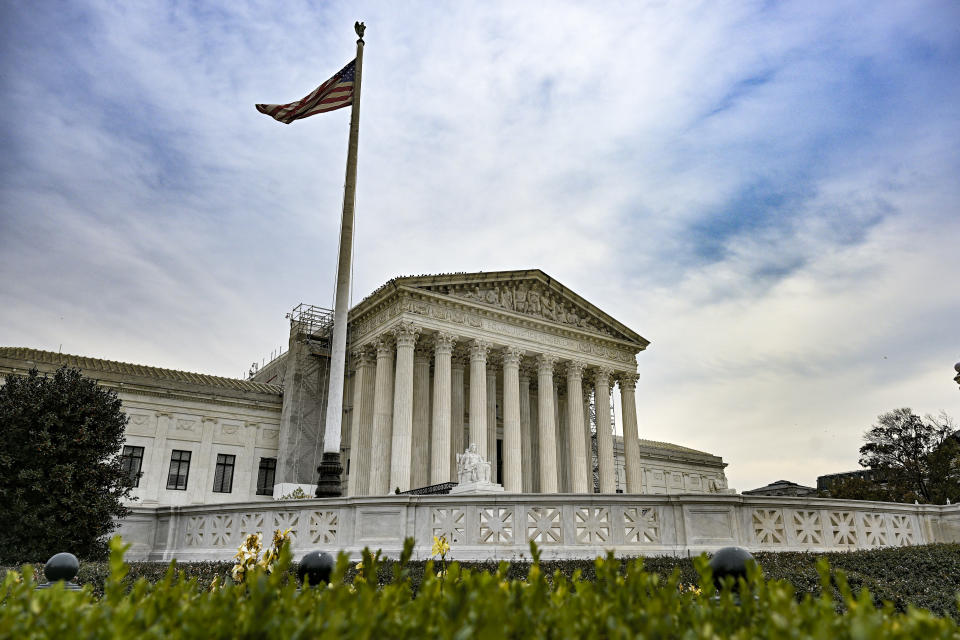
(61, 482)
(925, 576)
(621, 600)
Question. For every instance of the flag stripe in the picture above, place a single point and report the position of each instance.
(335, 93)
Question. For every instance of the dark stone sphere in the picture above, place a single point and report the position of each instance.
(730, 561)
(63, 566)
(315, 568)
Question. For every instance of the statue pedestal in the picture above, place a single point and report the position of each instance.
(477, 487)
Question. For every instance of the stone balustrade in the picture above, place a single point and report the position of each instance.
(485, 527)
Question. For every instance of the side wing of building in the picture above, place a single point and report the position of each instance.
(192, 438)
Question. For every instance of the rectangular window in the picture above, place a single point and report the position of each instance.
(223, 476)
(268, 470)
(179, 470)
(132, 461)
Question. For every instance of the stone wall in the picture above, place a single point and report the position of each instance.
(564, 526)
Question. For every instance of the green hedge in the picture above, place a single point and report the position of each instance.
(619, 600)
(924, 576)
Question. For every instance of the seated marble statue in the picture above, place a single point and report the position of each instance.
(471, 467)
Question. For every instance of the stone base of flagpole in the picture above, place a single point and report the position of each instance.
(328, 486)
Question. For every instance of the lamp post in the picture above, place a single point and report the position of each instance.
(956, 368)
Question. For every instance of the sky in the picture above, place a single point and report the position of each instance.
(767, 191)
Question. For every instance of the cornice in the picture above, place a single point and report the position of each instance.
(404, 299)
(169, 394)
(381, 295)
(187, 397)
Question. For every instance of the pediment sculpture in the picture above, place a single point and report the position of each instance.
(533, 300)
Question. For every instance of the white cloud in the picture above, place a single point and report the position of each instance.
(149, 214)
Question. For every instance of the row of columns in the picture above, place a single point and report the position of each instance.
(398, 442)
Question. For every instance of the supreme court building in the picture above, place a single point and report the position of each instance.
(511, 361)
(436, 356)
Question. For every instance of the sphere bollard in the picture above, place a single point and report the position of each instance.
(730, 561)
(315, 568)
(63, 567)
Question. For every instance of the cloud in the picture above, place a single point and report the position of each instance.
(767, 192)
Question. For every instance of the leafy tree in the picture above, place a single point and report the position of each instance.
(913, 459)
(855, 488)
(61, 482)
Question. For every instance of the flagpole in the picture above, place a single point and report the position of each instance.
(328, 484)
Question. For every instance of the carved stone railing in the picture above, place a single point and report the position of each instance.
(482, 527)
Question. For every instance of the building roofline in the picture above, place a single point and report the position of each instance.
(36, 358)
(395, 284)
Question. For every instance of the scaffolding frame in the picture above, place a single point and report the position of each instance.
(311, 320)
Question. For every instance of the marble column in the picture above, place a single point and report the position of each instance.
(358, 480)
(478, 395)
(440, 440)
(608, 478)
(534, 438)
(491, 456)
(457, 445)
(577, 462)
(382, 420)
(588, 440)
(512, 440)
(558, 430)
(420, 456)
(401, 447)
(631, 439)
(548, 430)
(526, 450)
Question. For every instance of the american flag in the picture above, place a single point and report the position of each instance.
(333, 94)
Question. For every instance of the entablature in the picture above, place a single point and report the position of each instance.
(438, 312)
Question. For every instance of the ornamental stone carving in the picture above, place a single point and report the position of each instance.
(592, 347)
(459, 359)
(384, 347)
(451, 523)
(406, 334)
(533, 300)
(473, 473)
(628, 381)
(575, 370)
(422, 352)
(545, 363)
(443, 342)
(511, 356)
(471, 467)
(363, 357)
(479, 349)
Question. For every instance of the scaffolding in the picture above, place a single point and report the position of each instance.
(311, 320)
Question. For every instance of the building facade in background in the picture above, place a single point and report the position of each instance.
(511, 361)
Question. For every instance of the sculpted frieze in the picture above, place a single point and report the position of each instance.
(531, 300)
(458, 316)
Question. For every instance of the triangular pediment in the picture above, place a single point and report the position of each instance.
(529, 293)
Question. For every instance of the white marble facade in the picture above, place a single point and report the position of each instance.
(443, 362)
(172, 413)
(501, 527)
(439, 363)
